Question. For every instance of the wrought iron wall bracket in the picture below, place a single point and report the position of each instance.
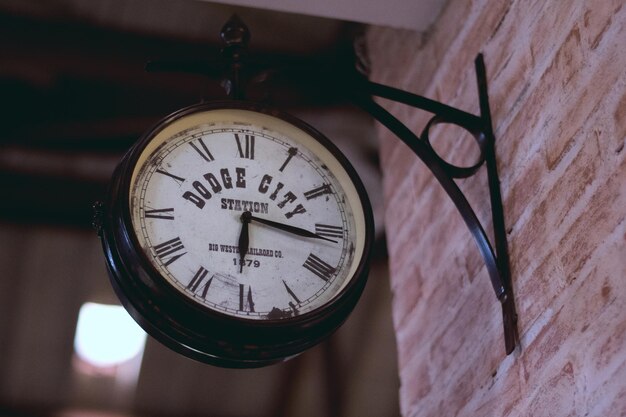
(480, 127)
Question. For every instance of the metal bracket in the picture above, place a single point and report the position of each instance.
(480, 128)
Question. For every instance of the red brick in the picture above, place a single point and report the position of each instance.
(598, 19)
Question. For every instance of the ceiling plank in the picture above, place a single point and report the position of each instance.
(415, 15)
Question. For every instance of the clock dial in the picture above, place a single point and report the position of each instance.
(236, 234)
(247, 215)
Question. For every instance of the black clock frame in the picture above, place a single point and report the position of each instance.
(197, 331)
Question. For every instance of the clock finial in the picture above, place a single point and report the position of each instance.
(235, 32)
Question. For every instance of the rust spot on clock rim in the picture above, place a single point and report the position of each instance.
(277, 313)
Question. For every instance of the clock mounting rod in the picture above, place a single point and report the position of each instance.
(330, 76)
(235, 36)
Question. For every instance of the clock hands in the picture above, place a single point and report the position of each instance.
(282, 226)
(244, 240)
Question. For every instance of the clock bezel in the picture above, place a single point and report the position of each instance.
(176, 320)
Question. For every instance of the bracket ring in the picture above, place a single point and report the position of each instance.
(453, 170)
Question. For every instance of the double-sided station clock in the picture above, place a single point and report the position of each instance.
(240, 236)
(236, 234)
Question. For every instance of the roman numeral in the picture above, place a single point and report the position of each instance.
(204, 152)
(176, 178)
(327, 230)
(197, 280)
(165, 214)
(319, 267)
(246, 149)
(171, 247)
(243, 300)
(291, 293)
(316, 192)
(290, 154)
(298, 210)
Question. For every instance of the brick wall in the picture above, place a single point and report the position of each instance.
(557, 82)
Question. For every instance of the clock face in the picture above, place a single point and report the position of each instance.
(247, 214)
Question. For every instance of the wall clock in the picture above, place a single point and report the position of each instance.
(236, 234)
(239, 236)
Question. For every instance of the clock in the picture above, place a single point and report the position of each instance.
(236, 234)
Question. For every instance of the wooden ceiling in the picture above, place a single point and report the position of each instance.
(74, 88)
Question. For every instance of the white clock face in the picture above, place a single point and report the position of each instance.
(247, 214)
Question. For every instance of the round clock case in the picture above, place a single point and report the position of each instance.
(173, 222)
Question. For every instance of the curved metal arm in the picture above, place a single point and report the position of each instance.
(479, 126)
(428, 157)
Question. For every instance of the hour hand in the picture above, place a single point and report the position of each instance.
(287, 228)
(244, 240)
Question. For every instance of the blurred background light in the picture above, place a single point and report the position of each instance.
(107, 336)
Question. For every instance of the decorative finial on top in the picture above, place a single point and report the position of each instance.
(235, 32)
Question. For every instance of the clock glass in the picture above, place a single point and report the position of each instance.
(247, 214)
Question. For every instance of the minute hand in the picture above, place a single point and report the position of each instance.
(290, 229)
